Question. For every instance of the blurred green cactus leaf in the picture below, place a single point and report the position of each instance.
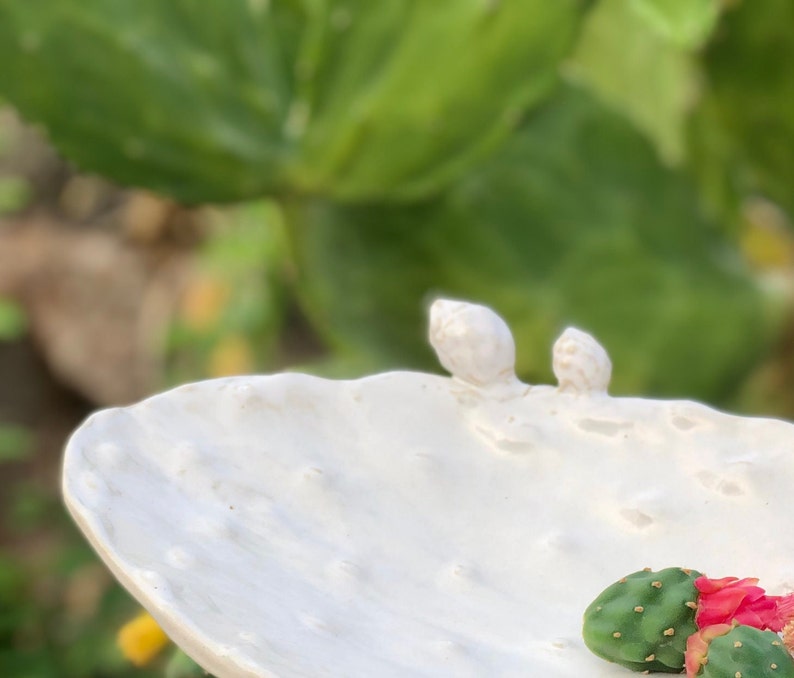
(576, 222)
(638, 71)
(744, 132)
(216, 101)
(688, 23)
(184, 97)
(408, 94)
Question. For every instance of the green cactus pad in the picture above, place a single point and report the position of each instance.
(747, 652)
(214, 101)
(643, 621)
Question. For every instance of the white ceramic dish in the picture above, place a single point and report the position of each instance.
(415, 525)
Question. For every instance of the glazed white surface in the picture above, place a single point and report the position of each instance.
(414, 525)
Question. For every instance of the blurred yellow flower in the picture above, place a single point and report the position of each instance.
(203, 303)
(766, 240)
(231, 356)
(141, 639)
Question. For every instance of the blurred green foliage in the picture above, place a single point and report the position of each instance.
(749, 104)
(15, 191)
(227, 100)
(670, 292)
(638, 70)
(410, 149)
(59, 609)
(12, 320)
(233, 312)
(687, 23)
(621, 165)
(14, 194)
(15, 442)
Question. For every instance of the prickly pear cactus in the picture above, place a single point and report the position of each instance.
(212, 101)
(747, 652)
(643, 621)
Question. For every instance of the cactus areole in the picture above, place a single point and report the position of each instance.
(410, 524)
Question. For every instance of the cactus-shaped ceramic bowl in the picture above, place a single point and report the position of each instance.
(408, 524)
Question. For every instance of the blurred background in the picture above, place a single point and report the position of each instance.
(198, 189)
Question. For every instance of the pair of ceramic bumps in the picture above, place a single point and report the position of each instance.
(476, 346)
(644, 620)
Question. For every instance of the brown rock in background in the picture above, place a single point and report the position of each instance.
(98, 307)
(98, 271)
